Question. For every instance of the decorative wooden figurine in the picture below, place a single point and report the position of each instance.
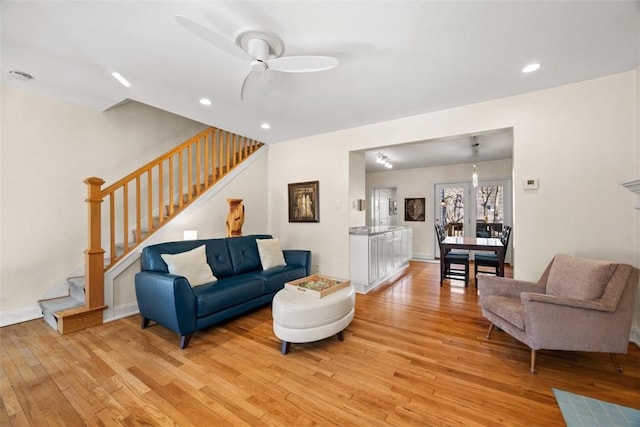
(235, 218)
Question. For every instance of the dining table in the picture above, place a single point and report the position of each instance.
(488, 244)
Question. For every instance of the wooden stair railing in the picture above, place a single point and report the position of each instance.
(148, 198)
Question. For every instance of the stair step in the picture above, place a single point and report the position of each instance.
(74, 319)
(76, 288)
(144, 232)
(51, 306)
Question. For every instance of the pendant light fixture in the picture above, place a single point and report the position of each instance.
(474, 176)
(474, 148)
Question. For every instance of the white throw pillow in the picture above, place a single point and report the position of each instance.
(192, 265)
(270, 253)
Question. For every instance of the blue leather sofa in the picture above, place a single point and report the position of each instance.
(242, 285)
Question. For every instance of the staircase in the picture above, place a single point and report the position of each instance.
(138, 206)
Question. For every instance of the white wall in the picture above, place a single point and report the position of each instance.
(635, 332)
(356, 188)
(48, 148)
(420, 182)
(579, 140)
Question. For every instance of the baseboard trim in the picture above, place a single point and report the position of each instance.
(20, 315)
(122, 311)
(422, 257)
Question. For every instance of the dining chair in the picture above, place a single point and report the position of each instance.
(453, 258)
(491, 260)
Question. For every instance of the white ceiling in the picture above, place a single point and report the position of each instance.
(493, 145)
(397, 58)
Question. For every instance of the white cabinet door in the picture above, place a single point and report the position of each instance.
(374, 274)
(382, 254)
(388, 253)
(398, 249)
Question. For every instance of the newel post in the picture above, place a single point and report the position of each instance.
(94, 255)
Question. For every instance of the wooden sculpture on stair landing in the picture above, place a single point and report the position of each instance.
(235, 218)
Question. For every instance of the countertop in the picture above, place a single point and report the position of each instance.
(370, 231)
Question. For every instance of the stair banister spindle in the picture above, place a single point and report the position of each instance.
(94, 255)
(138, 210)
(112, 225)
(171, 185)
(229, 152)
(180, 183)
(233, 151)
(205, 162)
(160, 195)
(189, 173)
(149, 198)
(198, 147)
(125, 215)
(218, 149)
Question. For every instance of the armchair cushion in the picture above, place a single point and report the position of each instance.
(578, 278)
(507, 308)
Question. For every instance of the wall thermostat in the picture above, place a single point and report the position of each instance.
(531, 184)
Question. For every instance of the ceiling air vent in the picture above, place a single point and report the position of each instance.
(20, 75)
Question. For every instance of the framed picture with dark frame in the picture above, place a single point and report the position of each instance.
(414, 209)
(304, 202)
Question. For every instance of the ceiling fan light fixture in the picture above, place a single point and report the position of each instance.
(531, 68)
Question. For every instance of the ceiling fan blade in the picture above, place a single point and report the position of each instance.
(212, 37)
(244, 84)
(302, 64)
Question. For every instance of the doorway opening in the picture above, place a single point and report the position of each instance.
(383, 206)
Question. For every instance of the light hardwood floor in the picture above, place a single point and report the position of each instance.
(415, 354)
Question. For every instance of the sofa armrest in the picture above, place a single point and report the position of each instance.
(525, 297)
(492, 285)
(166, 299)
(555, 323)
(298, 257)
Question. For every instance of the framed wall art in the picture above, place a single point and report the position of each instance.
(414, 209)
(304, 202)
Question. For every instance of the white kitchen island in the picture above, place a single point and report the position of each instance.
(377, 254)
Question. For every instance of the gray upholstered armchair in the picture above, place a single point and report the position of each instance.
(577, 305)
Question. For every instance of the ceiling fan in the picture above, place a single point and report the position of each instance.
(263, 50)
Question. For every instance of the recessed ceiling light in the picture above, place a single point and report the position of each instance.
(265, 126)
(531, 68)
(205, 101)
(116, 75)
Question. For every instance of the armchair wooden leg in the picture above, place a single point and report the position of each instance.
(533, 361)
(491, 326)
(614, 359)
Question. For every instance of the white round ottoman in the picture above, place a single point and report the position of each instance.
(300, 318)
